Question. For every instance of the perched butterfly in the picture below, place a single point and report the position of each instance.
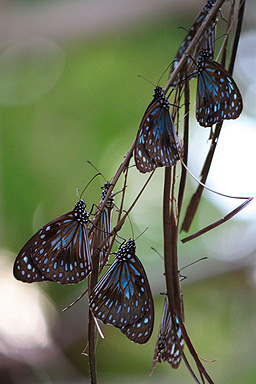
(122, 297)
(218, 97)
(57, 252)
(206, 42)
(104, 225)
(167, 348)
(156, 142)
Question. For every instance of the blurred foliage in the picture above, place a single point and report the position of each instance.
(92, 113)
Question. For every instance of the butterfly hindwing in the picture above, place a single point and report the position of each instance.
(218, 97)
(59, 250)
(156, 142)
(24, 268)
(123, 298)
(167, 348)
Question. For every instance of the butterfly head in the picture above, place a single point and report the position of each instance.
(80, 212)
(159, 95)
(208, 6)
(105, 188)
(127, 250)
(202, 58)
(158, 92)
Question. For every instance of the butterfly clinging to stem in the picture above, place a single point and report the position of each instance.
(156, 143)
(123, 298)
(218, 97)
(206, 42)
(170, 339)
(59, 251)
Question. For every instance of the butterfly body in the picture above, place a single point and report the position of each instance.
(169, 341)
(156, 142)
(218, 97)
(59, 251)
(122, 297)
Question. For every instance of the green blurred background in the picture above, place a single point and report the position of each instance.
(69, 93)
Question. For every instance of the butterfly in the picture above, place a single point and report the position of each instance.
(104, 225)
(218, 97)
(167, 348)
(59, 251)
(156, 143)
(206, 42)
(123, 298)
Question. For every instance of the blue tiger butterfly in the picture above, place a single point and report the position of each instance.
(167, 348)
(156, 143)
(59, 251)
(104, 225)
(218, 97)
(206, 42)
(123, 298)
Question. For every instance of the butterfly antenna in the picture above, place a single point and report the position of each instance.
(131, 226)
(96, 169)
(147, 80)
(141, 233)
(194, 262)
(159, 254)
(89, 183)
(166, 69)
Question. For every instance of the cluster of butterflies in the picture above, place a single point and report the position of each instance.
(217, 98)
(61, 251)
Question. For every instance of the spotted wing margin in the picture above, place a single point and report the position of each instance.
(167, 348)
(156, 142)
(123, 298)
(25, 270)
(60, 250)
(218, 96)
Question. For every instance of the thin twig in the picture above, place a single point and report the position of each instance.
(218, 222)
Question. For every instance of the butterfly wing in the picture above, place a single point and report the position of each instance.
(156, 142)
(59, 250)
(206, 42)
(218, 97)
(167, 347)
(123, 298)
(104, 226)
(25, 270)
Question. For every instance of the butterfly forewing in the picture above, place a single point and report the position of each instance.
(59, 250)
(167, 347)
(123, 298)
(156, 142)
(218, 97)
